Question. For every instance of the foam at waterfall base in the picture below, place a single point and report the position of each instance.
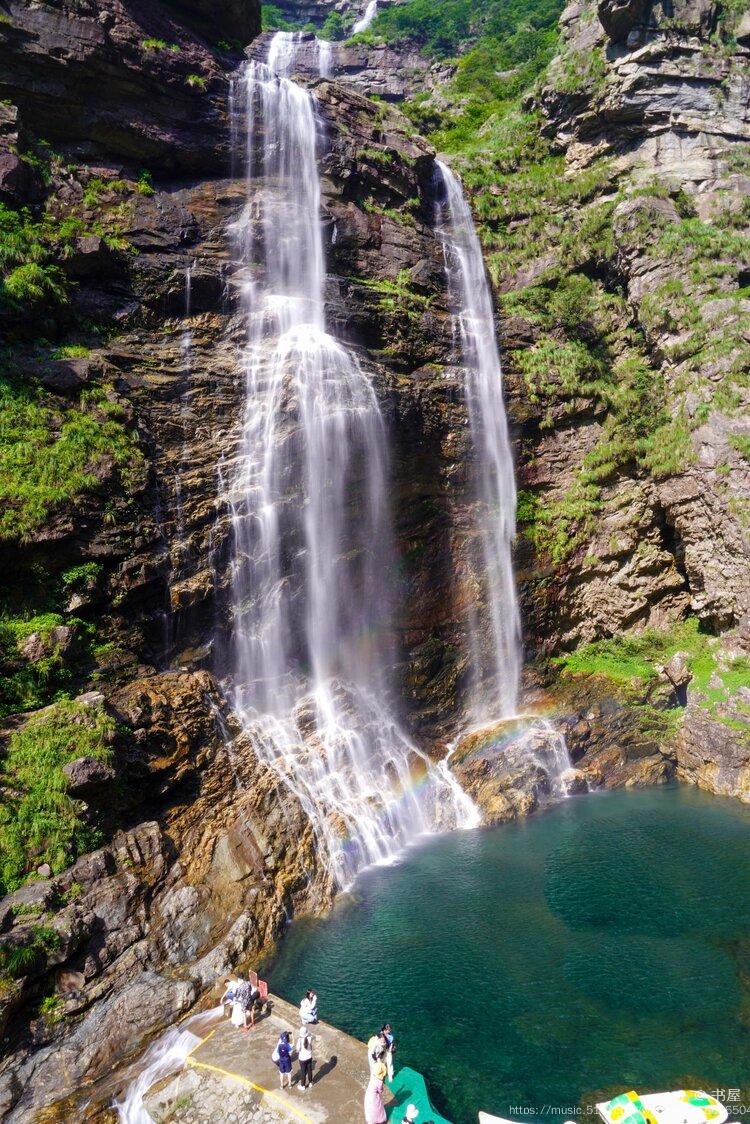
(367, 789)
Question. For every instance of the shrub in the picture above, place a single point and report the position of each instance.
(159, 45)
(196, 81)
(144, 185)
(17, 960)
(71, 351)
(25, 685)
(334, 28)
(34, 283)
(80, 577)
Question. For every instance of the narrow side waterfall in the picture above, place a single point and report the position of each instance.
(495, 642)
(369, 15)
(495, 639)
(165, 1056)
(308, 493)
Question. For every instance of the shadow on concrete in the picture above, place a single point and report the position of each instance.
(325, 1069)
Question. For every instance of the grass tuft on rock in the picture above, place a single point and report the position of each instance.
(50, 453)
(39, 822)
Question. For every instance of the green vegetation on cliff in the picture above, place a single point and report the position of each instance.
(39, 822)
(555, 240)
(632, 664)
(51, 452)
(39, 656)
(500, 49)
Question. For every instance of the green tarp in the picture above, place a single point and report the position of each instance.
(408, 1087)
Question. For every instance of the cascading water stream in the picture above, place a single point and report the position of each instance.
(496, 660)
(369, 15)
(186, 363)
(308, 496)
(283, 49)
(495, 642)
(164, 1057)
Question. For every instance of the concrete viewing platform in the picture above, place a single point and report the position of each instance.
(229, 1077)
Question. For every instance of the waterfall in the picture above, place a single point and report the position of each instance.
(495, 641)
(186, 360)
(367, 18)
(283, 49)
(325, 58)
(164, 1057)
(309, 500)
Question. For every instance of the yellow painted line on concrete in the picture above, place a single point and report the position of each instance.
(246, 1081)
(200, 1042)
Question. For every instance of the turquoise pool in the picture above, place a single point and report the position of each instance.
(535, 968)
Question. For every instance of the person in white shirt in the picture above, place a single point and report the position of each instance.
(308, 1008)
(305, 1058)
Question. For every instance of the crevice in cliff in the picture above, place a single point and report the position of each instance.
(672, 543)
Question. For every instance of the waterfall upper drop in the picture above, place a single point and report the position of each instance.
(367, 18)
(495, 643)
(309, 499)
(282, 53)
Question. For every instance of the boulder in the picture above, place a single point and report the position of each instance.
(676, 670)
(88, 778)
(619, 17)
(89, 256)
(39, 645)
(18, 182)
(574, 782)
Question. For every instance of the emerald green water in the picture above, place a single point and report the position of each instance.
(601, 946)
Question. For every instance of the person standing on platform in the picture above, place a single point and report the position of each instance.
(305, 1058)
(282, 1056)
(374, 1109)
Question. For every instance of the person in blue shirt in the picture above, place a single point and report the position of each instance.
(282, 1055)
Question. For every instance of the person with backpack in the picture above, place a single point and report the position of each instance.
(282, 1058)
(305, 1058)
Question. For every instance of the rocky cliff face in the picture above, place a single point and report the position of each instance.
(653, 104)
(616, 242)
